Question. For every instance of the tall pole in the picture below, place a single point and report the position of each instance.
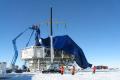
(51, 37)
(51, 31)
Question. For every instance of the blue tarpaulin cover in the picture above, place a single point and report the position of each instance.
(66, 44)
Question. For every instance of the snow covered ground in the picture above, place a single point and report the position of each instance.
(113, 75)
(79, 76)
(18, 76)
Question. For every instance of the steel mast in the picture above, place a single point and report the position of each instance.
(51, 37)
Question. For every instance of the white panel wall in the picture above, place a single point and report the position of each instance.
(33, 52)
(27, 53)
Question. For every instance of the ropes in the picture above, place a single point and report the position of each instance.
(30, 38)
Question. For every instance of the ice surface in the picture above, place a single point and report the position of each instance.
(114, 75)
(79, 76)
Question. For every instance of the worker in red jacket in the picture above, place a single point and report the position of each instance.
(94, 69)
(62, 70)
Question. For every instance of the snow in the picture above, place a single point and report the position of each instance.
(79, 76)
(18, 76)
(113, 75)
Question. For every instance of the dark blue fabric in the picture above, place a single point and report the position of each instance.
(66, 44)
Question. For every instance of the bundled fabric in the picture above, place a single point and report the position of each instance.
(66, 44)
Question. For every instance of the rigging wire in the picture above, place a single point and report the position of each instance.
(66, 29)
(29, 38)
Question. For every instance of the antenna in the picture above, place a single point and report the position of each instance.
(51, 30)
(51, 37)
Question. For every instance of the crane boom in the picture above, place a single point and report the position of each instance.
(37, 43)
(15, 47)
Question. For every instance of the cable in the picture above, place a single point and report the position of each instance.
(66, 31)
(30, 38)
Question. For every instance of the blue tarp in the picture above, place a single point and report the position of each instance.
(66, 44)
